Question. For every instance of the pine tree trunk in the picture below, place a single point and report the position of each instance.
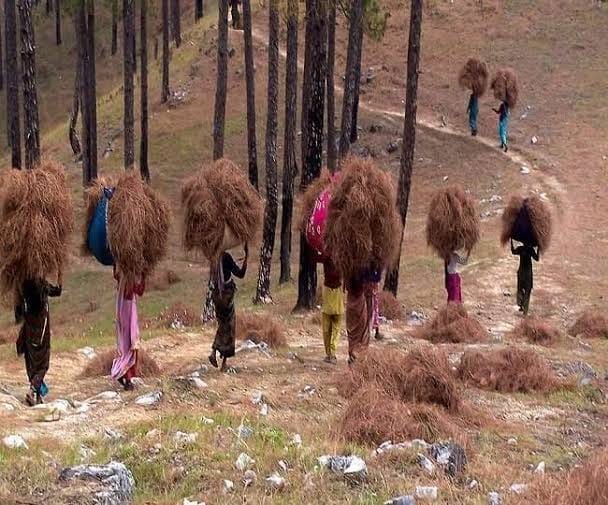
(165, 21)
(134, 40)
(12, 83)
(114, 27)
(270, 215)
(331, 90)
(198, 9)
(58, 22)
(1, 61)
(92, 90)
(80, 29)
(155, 48)
(222, 80)
(307, 278)
(128, 21)
(305, 91)
(391, 282)
(73, 133)
(289, 159)
(250, 79)
(354, 32)
(31, 126)
(49, 7)
(176, 22)
(143, 151)
(236, 17)
(354, 131)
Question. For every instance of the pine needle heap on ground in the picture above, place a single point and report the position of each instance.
(260, 327)
(536, 331)
(101, 365)
(452, 324)
(591, 324)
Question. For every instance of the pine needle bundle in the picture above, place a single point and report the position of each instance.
(527, 220)
(474, 76)
(505, 86)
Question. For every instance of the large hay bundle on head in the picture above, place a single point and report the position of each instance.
(138, 227)
(36, 219)
(92, 197)
(222, 209)
(527, 220)
(310, 196)
(505, 86)
(362, 228)
(452, 324)
(474, 76)
(453, 221)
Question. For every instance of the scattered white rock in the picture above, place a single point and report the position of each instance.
(347, 466)
(153, 433)
(111, 434)
(540, 468)
(518, 488)
(86, 452)
(445, 178)
(244, 432)
(6, 407)
(106, 396)
(494, 498)
(249, 478)
(113, 483)
(14, 442)
(182, 438)
(309, 390)
(149, 399)
(524, 170)
(429, 493)
(257, 397)
(534, 139)
(296, 440)
(427, 465)
(275, 482)
(198, 383)
(283, 465)
(58, 405)
(188, 502)
(264, 410)
(244, 462)
(402, 500)
(228, 486)
(89, 352)
(207, 420)
(473, 485)
(512, 441)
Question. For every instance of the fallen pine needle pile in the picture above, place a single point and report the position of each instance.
(452, 324)
(536, 331)
(507, 370)
(260, 328)
(389, 306)
(591, 324)
(101, 365)
(179, 316)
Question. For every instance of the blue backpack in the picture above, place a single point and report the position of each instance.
(97, 236)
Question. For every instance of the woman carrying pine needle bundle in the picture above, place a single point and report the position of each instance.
(34, 341)
(525, 275)
(506, 90)
(453, 282)
(503, 125)
(124, 367)
(474, 76)
(224, 290)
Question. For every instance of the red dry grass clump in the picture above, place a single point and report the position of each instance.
(507, 370)
(260, 327)
(452, 324)
(179, 315)
(389, 306)
(101, 365)
(591, 324)
(536, 331)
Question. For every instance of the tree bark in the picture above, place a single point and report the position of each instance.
(128, 21)
(391, 282)
(143, 148)
(92, 90)
(331, 90)
(236, 16)
(1, 63)
(12, 83)
(354, 32)
(354, 132)
(307, 278)
(176, 22)
(222, 80)
(270, 215)
(58, 22)
(164, 96)
(289, 159)
(73, 133)
(250, 79)
(31, 126)
(114, 26)
(80, 29)
(198, 9)
(305, 91)
(49, 7)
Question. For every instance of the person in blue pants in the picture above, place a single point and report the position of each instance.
(503, 125)
(473, 110)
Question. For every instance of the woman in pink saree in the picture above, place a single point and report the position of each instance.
(124, 367)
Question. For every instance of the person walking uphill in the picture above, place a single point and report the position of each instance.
(223, 297)
(34, 341)
(124, 367)
(525, 276)
(503, 125)
(473, 110)
(453, 282)
(332, 310)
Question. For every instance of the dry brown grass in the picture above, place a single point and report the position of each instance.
(101, 365)
(179, 315)
(309, 197)
(452, 324)
(389, 306)
(527, 220)
(584, 485)
(474, 76)
(161, 280)
(362, 226)
(509, 216)
(536, 331)
(507, 370)
(260, 327)
(453, 221)
(591, 324)
(36, 220)
(505, 86)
